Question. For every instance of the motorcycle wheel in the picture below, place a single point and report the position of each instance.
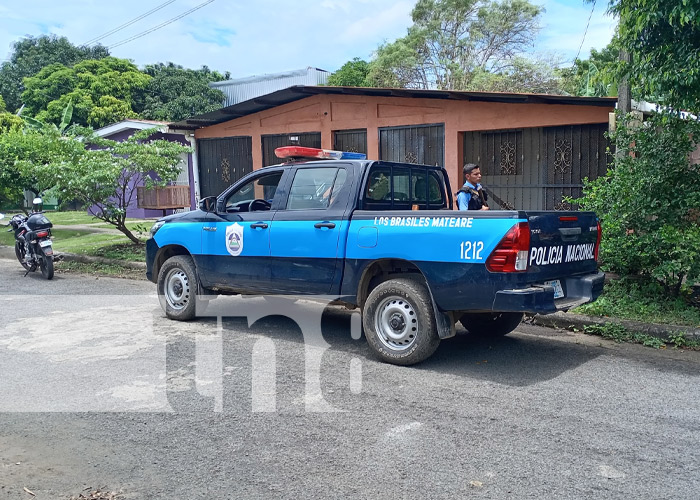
(20, 253)
(47, 267)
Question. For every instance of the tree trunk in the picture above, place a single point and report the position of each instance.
(678, 285)
(127, 232)
(131, 236)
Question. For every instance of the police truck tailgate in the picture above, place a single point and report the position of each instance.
(562, 245)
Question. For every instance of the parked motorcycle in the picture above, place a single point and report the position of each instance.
(33, 246)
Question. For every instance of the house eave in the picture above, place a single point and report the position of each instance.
(298, 92)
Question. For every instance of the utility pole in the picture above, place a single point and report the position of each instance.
(624, 101)
(624, 96)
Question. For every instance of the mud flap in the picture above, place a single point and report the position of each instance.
(444, 320)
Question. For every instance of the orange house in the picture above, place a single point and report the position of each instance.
(533, 150)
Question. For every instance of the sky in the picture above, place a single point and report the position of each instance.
(247, 37)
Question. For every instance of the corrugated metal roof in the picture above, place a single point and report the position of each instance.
(130, 124)
(291, 94)
(243, 89)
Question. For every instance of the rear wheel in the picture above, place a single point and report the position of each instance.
(399, 323)
(491, 324)
(47, 267)
(177, 288)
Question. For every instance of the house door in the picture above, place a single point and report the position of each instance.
(536, 168)
(271, 142)
(350, 140)
(569, 155)
(222, 161)
(424, 144)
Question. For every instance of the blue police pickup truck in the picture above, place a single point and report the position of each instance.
(380, 236)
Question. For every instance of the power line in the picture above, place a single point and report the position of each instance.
(119, 28)
(169, 21)
(585, 31)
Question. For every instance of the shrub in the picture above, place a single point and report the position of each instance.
(649, 201)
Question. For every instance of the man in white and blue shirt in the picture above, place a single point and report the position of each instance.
(472, 196)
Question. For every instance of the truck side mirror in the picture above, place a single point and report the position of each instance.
(208, 204)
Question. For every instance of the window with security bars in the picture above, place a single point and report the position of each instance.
(501, 153)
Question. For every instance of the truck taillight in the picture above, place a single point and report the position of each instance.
(512, 252)
(597, 242)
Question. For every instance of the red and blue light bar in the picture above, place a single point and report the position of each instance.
(317, 154)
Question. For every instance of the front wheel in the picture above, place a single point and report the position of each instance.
(491, 324)
(177, 288)
(399, 323)
(21, 255)
(47, 267)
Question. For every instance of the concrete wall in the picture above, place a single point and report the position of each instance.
(327, 113)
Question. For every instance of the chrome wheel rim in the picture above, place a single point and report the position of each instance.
(396, 323)
(177, 289)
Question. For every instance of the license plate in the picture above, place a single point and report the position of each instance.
(45, 243)
(558, 291)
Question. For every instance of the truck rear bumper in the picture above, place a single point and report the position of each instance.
(540, 298)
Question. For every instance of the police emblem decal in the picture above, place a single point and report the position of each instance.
(234, 239)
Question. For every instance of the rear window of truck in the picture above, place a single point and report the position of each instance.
(394, 187)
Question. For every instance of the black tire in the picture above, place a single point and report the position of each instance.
(399, 323)
(46, 264)
(20, 254)
(491, 324)
(177, 288)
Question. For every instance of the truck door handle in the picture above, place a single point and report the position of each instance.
(327, 225)
(209, 228)
(259, 225)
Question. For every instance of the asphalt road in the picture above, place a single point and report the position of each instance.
(99, 391)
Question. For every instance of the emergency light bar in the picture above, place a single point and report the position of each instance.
(316, 153)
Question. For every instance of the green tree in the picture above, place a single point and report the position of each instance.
(451, 41)
(9, 121)
(13, 147)
(104, 174)
(649, 203)
(351, 74)
(663, 40)
(595, 76)
(524, 75)
(29, 55)
(101, 91)
(174, 93)
(24, 145)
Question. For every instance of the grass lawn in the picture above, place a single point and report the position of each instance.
(6, 238)
(86, 242)
(89, 243)
(646, 302)
(70, 218)
(137, 226)
(100, 269)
